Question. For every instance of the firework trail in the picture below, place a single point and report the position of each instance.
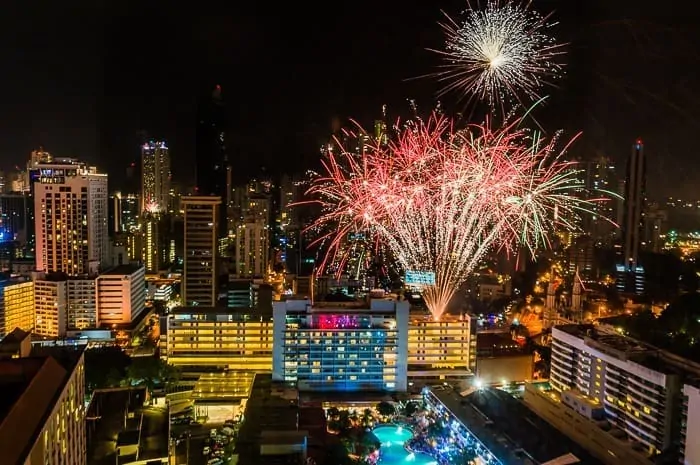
(440, 198)
(498, 54)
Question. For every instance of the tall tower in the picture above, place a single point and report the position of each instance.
(634, 208)
(630, 275)
(70, 201)
(199, 285)
(155, 176)
(211, 170)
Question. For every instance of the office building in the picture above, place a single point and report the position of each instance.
(212, 164)
(442, 349)
(43, 406)
(121, 294)
(70, 201)
(639, 388)
(199, 280)
(199, 339)
(341, 347)
(152, 242)
(155, 177)
(16, 305)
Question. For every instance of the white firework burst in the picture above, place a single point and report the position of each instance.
(499, 53)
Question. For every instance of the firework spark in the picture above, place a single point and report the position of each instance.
(440, 199)
(500, 53)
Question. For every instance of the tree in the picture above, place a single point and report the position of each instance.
(151, 372)
(366, 418)
(386, 409)
(105, 367)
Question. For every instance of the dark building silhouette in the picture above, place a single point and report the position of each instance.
(212, 158)
(630, 273)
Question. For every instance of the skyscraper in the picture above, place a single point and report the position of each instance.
(212, 157)
(70, 201)
(199, 286)
(155, 176)
(635, 203)
(630, 274)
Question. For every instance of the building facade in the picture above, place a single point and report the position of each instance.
(121, 295)
(16, 305)
(639, 387)
(70, 204)
(441, 349)
(201, 338)
(331, 347)
(155, 177)
(199, 280)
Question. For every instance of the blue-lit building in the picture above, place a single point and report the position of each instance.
(341, 346)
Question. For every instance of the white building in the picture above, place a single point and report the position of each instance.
(70, 204)
(51, 300)
(341, 347)
(121, 294)
(640, 387)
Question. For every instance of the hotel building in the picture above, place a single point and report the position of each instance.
(643, 391)
(442, 349)
(200, 339)
(70, 201)
(341, 347)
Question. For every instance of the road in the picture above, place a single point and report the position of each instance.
(196, 444)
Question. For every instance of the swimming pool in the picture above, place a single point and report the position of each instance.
(392, 451)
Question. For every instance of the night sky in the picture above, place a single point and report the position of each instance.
(84, 78)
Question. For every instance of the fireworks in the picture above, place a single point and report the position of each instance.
(499, 53)
(440, 199)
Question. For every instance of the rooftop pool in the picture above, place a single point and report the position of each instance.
(392, 451)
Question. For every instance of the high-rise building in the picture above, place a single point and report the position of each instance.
(252, 249)
(199, 281)
(155, 176)
(630, 274)
(70, 201)
(153, 250)
(212, 156)
(635, 206)
(602, 182)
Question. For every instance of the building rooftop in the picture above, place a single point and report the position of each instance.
(511, 431)
(624, 348)
(267, 409)
(122, 270)
(31, 386)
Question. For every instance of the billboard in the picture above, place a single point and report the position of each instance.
(420, 278)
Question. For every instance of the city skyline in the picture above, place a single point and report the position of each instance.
(347, 64)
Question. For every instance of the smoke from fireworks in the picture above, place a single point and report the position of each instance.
(498, 54)
(440, 199)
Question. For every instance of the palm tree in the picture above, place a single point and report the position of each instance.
(386, 409)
